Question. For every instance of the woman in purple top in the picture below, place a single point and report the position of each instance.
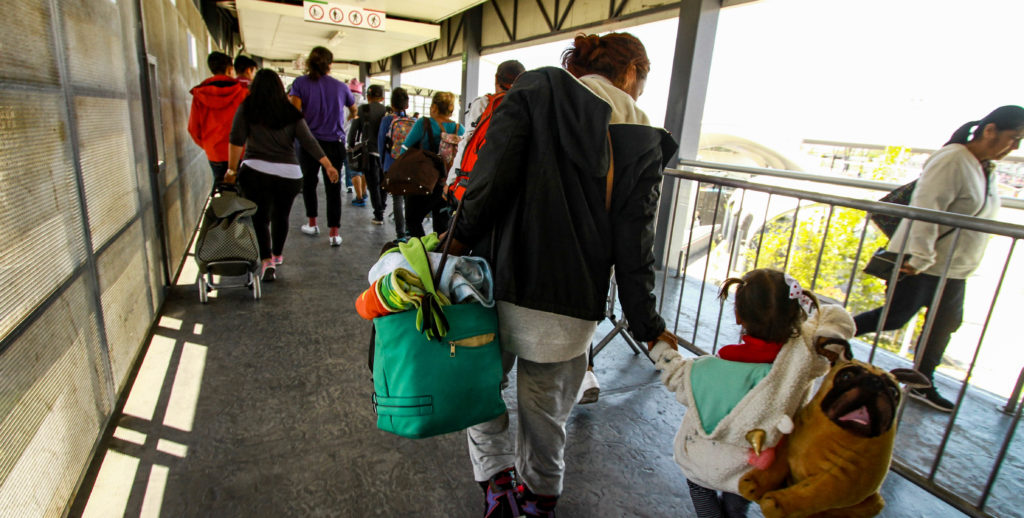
(321, 97)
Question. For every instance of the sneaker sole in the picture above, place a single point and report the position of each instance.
(590, 396)
(928, 402)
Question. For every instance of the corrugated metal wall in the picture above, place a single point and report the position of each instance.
(81, 266)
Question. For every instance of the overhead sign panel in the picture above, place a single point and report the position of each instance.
(343, 15)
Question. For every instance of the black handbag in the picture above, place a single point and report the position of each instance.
(900, 196)
(359, 157)
(415, 173)
(883, 261)
(357, 153)
(881, 264)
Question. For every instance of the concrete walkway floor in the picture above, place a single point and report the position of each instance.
(251, 409)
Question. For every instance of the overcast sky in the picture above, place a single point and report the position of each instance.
(894, 72)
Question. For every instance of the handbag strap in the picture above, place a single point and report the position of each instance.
(430, 133)
(984, 203)
(447, 243)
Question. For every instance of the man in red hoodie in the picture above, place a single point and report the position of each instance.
(214, 103)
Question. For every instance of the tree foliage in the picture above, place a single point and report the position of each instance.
(821, 250)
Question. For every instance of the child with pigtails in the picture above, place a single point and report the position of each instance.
(740, 402)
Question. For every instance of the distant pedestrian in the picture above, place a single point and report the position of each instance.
(214, 102)
(507, 73)
(417, 207)
(321, 98)
(354, 179)
(266, 124)
(245, 69)
(385, 146)
(955, 179)
(368, 120)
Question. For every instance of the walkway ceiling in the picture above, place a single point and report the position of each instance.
(277, 31)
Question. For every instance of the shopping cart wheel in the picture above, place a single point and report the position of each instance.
(257, 291)
(203, 289)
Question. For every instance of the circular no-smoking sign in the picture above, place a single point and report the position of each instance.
(316, 12)
(337, 15)
(373, 20)
(355, 17)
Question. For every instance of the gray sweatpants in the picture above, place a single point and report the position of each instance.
(545, 394)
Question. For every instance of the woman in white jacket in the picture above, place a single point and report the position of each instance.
(955, 179)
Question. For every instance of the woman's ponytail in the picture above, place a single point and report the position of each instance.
(960, 135)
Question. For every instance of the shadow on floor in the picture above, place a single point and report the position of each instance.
(247, 408)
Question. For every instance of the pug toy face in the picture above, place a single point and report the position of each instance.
(863, 400)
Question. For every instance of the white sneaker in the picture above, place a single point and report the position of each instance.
(589, 389)
(310, 229)
(335, 240)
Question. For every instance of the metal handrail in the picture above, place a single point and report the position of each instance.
(875, 185)
(877, 207)
(926, 479)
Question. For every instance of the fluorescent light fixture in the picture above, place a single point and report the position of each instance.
(335, 40)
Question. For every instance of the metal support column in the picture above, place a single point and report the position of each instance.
(471, 43)
(396, 70)
(364, 75)
(691, 67)
(155, 162)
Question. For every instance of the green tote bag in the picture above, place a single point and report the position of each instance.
(446, 383)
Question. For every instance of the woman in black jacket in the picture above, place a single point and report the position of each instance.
(536, 206)
(266, 125)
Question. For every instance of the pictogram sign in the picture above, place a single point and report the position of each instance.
(331, 13)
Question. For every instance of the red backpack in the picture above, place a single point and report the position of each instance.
(471, 153)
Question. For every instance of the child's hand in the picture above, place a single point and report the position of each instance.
(666, 336)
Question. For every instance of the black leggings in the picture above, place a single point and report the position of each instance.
(273, 196)
(912, 293)
(417, 208)
(708, 504)
(335, 152)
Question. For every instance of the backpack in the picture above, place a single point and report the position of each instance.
(397, 132)
(357, 153)
(476, 141)
(449, 146)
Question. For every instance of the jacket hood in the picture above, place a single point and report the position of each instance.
(592, 105)
(579, 116)
(218, 92)
(624, 107)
